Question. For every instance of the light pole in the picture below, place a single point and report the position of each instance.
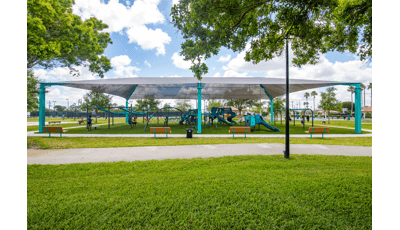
(67, 104)
(54, 107)
(286, 153)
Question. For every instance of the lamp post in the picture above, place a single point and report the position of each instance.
(286, 153)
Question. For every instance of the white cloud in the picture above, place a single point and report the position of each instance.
(120, 60)
(232, 73)
(149, 38)
(121, 69)
(179, 62)
(224, 59)
(174, 2)
(133, 18)
(41, 74)
(147, 63)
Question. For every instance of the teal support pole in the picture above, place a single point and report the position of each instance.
(272, 111)
(272, 103)
(42, 107)
(129, 96)
(199, 108)
(126, 113)
(358, 109)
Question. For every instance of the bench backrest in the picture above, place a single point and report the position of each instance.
(318, 129)
(52, 129)
(240, 129)
(159, 129)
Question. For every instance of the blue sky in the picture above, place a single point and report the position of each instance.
(145, 44)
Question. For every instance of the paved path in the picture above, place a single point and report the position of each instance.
(69, 156)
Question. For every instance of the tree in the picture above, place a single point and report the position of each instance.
(166, 105)
(362, 86)
(329, 102)
(58, 38)
(214, 103)
(259, 106)
(146, 104)
(313, 94)
(370, 87)
(352, 90)
(96, 99)
(313, 27)
(183, 105)
(306, 95)
(32, 92)
(348, 105)
(60, 108)
(240, 104)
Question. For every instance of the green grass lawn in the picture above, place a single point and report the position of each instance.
(112, 142)
(67, 125)
(240, 192)
(349, 124)
(125, 128)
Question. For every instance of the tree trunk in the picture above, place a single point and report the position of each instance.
(329, 117)
(96, 116)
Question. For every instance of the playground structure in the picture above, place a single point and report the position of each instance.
(190, 88)
(217, 112)
(296, 115)
(253, 120)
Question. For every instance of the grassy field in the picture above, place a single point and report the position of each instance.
(240, 192)
(113, 142)
(99, 121)
(124, 128)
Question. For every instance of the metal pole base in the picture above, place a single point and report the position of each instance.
(286, 155)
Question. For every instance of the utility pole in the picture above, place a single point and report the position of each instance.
(54, 107)
(286, 153)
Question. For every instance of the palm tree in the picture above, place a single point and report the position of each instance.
(306, 95)
(363, 89)
(351, 89)
(313, 94)
(370, 87)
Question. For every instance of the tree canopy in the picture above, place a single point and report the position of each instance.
(240, 104)
(146, 104)
(58, 38)
(329, 102)
(32, 91)
(183, 105)
(313, 27)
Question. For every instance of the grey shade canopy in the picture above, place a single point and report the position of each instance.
(186, 87)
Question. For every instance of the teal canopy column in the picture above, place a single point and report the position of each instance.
(126, 113)
(42, 107)
(358, 109)
(272, 111)
(199, 108)
(129, 96)
(272, 103)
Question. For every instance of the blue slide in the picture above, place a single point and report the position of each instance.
(259, 120)
(215, 114)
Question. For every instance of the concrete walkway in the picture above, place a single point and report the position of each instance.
(69, 156)
(33, 123)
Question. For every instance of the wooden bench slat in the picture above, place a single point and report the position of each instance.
(313, 130)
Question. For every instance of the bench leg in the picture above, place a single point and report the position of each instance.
(166, 132)
(234, 132)
(154, 131)
(49, 134)
(245, 131)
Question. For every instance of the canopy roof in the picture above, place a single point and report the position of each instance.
(186, 87)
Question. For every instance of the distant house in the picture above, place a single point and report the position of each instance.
(367, 109)
(235, 110)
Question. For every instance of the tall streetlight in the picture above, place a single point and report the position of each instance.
(286, 153)
(67, 104)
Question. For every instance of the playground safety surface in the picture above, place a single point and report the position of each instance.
(93, 155)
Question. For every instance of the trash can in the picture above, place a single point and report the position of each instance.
(189, 133)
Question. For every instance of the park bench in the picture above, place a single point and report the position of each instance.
(54, 130)
(155, 130)
(244, 130)
(81, 121)
(54, 122)
(322, 130)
